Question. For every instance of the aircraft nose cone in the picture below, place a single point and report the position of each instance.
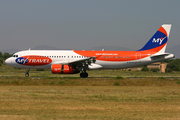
(8, 61)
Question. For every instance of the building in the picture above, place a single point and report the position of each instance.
(159, 65)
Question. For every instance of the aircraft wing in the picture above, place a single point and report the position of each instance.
(84, 61)
(76, 62)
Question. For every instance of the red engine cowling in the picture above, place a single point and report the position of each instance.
(63, 69)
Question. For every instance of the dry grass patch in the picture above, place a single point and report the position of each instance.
(90, 102)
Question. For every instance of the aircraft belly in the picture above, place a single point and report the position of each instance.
(112, 65)
(124, 64)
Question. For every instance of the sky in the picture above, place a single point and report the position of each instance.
(84, 24)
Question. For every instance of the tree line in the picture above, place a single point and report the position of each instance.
(3, 57)
(173, 65)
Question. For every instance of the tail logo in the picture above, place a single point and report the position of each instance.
(158, 40)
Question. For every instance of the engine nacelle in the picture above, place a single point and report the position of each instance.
(63, 69)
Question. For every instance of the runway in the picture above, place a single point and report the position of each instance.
(115, 77)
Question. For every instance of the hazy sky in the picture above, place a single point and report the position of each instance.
(83, 24)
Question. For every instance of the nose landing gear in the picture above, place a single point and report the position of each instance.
(27, 72)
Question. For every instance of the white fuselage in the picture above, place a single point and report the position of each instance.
(67, 56)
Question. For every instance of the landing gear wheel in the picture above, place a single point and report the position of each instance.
(84, 74)
(81, 74)
(27, 74)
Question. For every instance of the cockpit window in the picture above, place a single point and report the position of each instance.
(15, 56)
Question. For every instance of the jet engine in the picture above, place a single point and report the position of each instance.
(63, 69)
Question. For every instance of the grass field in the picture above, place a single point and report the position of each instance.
(105, 95)
(89, 102)
(9, 71)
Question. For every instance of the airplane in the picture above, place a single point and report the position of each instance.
(79, 61)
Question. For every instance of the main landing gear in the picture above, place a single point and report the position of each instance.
(84, 74)
(27, 72)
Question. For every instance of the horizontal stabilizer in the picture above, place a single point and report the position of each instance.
(159, 55)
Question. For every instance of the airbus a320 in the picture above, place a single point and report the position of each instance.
(79, 61)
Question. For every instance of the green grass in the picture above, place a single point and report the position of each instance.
(116, 83)
(178, 82)
(10, 71)
(47, 96)
(68, 81)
